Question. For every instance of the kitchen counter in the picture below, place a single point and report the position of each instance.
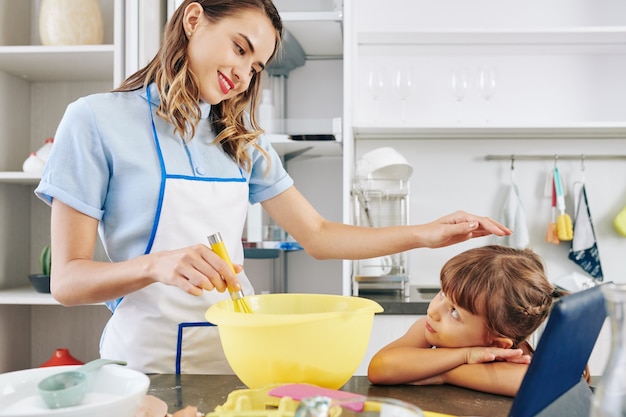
(394, 302)
(208, 391)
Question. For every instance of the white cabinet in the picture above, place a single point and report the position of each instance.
(36, 84)
(558, 68)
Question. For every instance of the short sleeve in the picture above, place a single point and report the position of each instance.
(77, 171)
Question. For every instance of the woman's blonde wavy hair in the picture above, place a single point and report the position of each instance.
(178, 87)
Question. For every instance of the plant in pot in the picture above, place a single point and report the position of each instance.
(41, 281)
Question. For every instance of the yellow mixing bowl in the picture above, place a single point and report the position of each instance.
(295, 338)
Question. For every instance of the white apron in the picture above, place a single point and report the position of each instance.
(161, 328)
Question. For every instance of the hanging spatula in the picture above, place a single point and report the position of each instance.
(552, 235)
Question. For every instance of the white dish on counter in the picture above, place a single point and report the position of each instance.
(113, 391)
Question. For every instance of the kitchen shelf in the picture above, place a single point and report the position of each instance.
(58, 63)
(528, 131)
(289, 148)
(28, 296)
(597, 35)
(319, 33)
(575, 40)
(283, 144)
(19, 177)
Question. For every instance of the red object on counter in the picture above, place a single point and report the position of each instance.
(61, 357)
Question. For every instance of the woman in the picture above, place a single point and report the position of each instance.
(476, 330)
(171, 157)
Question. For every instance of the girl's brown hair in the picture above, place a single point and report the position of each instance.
(508, 287)
(178, 87)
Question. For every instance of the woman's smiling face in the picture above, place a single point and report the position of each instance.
(224, 55)
(450, 326)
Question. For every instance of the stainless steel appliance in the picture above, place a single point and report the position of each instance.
(380, 203)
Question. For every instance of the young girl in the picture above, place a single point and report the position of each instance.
(476, 330)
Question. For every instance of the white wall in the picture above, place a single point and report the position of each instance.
(453, 174)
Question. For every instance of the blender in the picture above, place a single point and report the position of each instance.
(380, 197)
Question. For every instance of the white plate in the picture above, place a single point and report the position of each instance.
(113, 391)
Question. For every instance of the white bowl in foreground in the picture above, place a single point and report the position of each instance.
(113, 391)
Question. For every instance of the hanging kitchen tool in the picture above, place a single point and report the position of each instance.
(218, 246)
(563, 220)
(514, 217)
(619, 222)
(584, 249)
(552, 235)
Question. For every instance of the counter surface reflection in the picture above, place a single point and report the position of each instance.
(208, 391)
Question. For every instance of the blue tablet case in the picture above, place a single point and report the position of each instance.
(553, 385)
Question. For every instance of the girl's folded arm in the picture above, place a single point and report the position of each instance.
(403, 365)
(411, 358)
(503, 378)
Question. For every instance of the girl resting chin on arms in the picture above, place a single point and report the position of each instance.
(476, 330)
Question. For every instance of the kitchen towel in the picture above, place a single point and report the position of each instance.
(584, 249)
(514, 217)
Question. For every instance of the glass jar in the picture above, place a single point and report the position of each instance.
(70, 22)
(610, 395)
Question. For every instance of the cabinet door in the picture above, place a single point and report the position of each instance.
(489, 70)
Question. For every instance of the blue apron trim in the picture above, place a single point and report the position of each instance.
(112, 304)
(165, 176)
(157, 215)
(207, 179)
(179, 341)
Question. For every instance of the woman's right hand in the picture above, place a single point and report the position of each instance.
(193, 269)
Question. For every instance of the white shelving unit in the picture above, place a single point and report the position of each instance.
(36, 84)
(559, 75)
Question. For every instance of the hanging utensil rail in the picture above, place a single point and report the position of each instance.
(552, 157)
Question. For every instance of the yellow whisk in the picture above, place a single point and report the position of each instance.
(218, 246)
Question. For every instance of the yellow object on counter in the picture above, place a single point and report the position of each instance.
(318, 339)
(258, 403)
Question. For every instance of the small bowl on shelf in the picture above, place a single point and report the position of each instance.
(40, 282)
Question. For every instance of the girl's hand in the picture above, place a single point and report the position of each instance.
(193, 269)
(491, 354)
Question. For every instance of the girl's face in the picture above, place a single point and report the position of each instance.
(225, 55)
(450, 326)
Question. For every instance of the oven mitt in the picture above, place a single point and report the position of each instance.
(514, 218)
(583, 248)
(620, 222)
